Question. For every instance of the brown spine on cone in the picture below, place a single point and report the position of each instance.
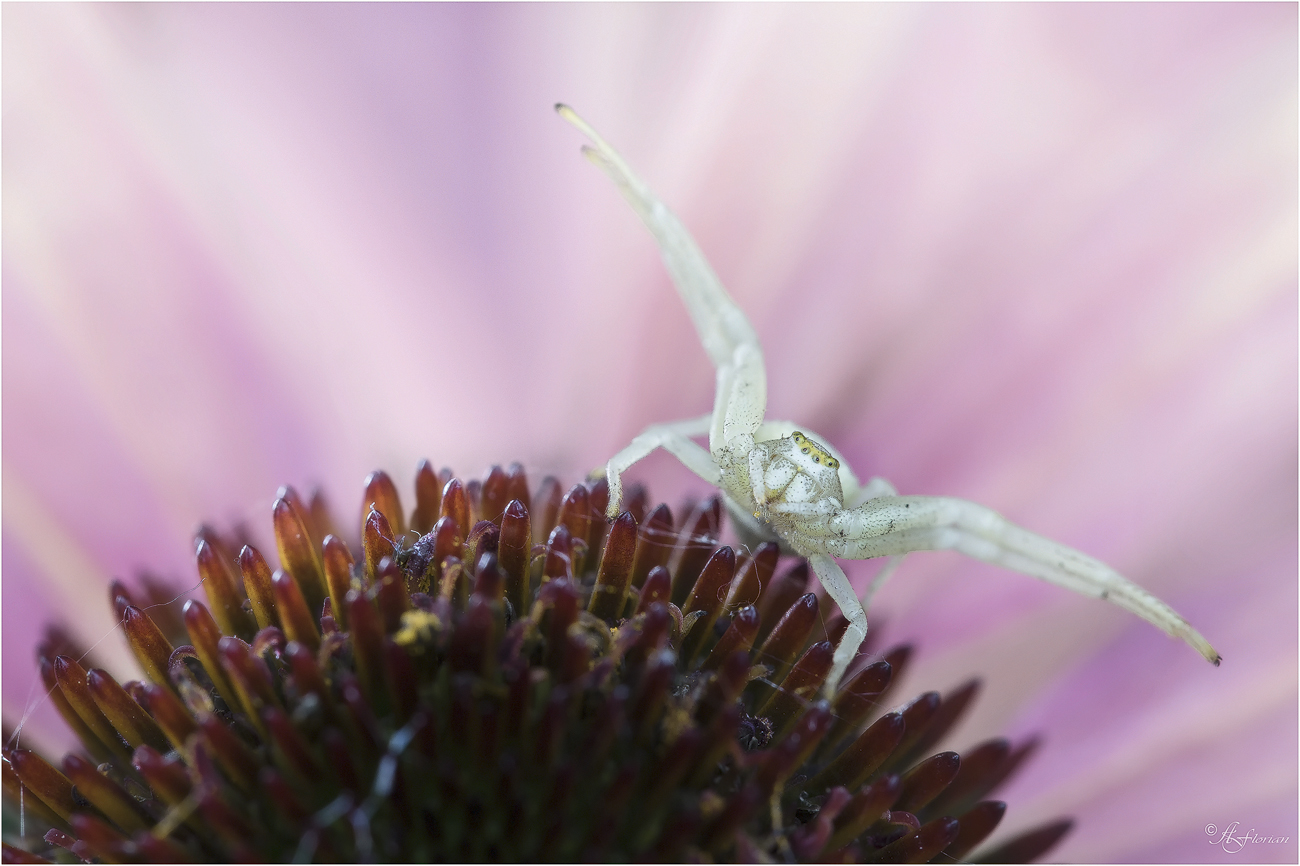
(170, 714)
(708, 595)
(205, 635)
(338, 574)
(127, 717)
(615, 574)
(107, 796)
(381, 495)
(513, 553)
(547, 508)
(495, 495)
(298, 554)
(376, 542)
(654, 544)
(456, 506)
(45, 781)
(295, 618)
(390, 594)
(168, 778)
(428, 498)
(84, 732)
(257, 582)
(233, 756)
(863, 757)
(799, 687)
(151, 648)
(71, 678)
(739, 637)
(223, 589)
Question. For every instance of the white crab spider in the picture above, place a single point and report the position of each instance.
(781, 482)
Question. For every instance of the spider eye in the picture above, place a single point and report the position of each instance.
(817, 460)
(805, 450)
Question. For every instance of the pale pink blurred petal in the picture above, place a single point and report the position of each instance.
(1042, 257)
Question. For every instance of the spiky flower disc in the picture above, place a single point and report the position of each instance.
(509, 677)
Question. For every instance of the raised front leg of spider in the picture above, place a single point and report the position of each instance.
(788, 484)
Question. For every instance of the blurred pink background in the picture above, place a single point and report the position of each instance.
(1039, 256)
